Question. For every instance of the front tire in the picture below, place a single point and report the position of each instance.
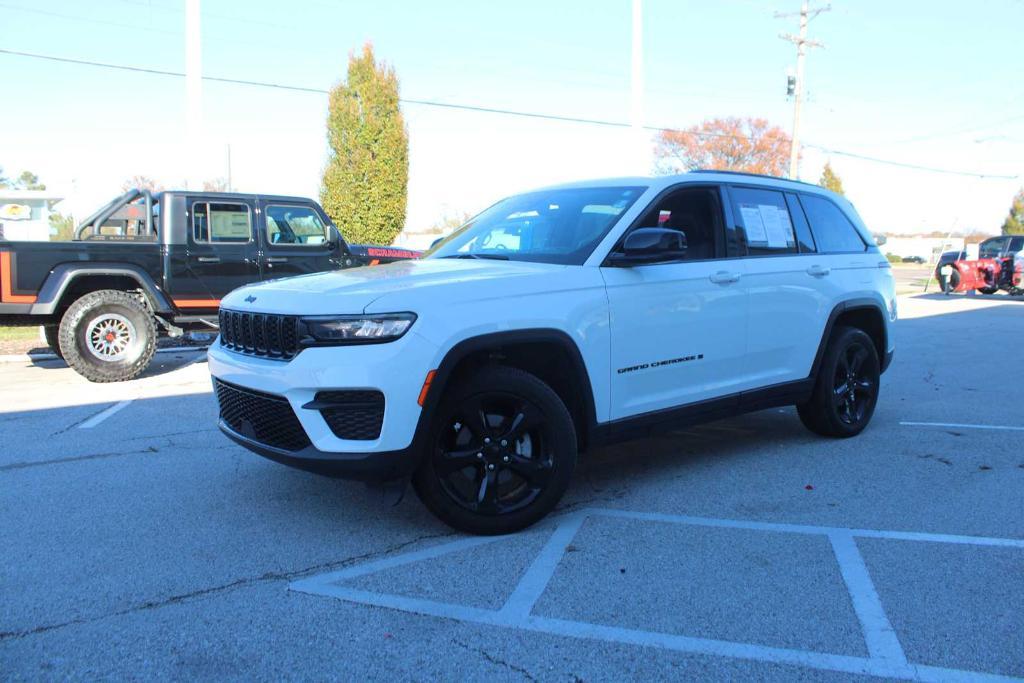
(988, 290)
(846, 388)
(501, 453)
(108, 336)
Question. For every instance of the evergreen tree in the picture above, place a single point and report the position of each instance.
(1014, 223)
(830, 181)
(367, 174)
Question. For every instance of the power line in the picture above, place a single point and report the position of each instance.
(912, 166)
(487, 110)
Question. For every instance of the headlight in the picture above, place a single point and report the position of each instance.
(356, 329)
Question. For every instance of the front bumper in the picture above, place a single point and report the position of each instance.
(379, 467)
(396, 369)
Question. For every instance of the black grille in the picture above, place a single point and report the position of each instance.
(265, 418)
(353, 414)
(260, 334)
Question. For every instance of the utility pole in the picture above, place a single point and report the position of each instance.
(193, 95)
(802, 42)
(636, 108)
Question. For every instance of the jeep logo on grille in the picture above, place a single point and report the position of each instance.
(249, 299)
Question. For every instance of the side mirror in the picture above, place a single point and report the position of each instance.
(650, 245)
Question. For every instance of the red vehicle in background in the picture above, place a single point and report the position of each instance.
(998, 267)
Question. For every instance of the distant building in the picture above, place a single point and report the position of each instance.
(25, 214)
(927, 248)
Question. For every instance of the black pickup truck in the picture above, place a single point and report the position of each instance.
(149, 264)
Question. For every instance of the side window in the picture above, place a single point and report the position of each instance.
(1017, 244)
(992, 248)
(295, 225)
(833, 231)
(763, 219)
(695, 212)
(221, 223)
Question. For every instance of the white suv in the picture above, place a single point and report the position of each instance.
(556, 321)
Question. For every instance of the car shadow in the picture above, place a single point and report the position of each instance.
(163, 362)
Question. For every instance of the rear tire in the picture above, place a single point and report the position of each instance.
(846, 388)
(501, 453)
(51, 333)
(988, 290)
(108, 336)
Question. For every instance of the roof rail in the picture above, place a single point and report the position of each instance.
(754, 175)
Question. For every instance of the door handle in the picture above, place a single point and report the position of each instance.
(277, 259)
(723, 277)
(209, 259)
(818, 271)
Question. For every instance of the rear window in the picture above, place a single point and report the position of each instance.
(221, 222)
(764, 219)
(833, 231)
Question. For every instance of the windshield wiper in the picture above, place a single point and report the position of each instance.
(493, 257)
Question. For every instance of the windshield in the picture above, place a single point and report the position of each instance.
(550, 226)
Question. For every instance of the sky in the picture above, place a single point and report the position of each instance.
(926, 83)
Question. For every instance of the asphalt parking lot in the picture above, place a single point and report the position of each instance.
(137, 542)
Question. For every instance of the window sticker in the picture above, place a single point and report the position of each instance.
(753, 224)
(777, 226)
(229, 225)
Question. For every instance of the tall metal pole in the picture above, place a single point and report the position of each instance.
(636, 108)
(229, 167)
(193, 94)
(802, 43)
(798, 99)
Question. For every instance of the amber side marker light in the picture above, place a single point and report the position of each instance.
(426, 387)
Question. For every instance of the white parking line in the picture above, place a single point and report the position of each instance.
(878, 632)
(957, 425)
(100, 417)
(885, 655)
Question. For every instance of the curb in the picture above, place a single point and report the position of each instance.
(31, 357)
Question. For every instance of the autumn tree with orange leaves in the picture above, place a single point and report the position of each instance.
(731, 144)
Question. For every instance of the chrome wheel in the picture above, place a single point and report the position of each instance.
(109, 337)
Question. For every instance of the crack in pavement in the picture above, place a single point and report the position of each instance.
(87, 417)
(74, 458)
(266, 577)
(278, 576)
(495, 660)
(114, 454)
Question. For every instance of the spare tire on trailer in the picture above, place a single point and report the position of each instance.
(948, 277)
(108, 336)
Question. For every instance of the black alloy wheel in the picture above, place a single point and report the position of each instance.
(502, 453)
(846, 388)
(854, 390)
(492, 458)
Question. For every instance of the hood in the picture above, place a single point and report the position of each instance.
(354, 290)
